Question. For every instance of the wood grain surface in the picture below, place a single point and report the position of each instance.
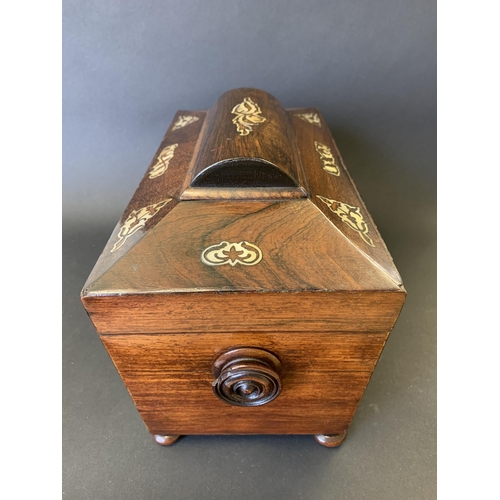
(301, 251)
(201, 312)
(151, 191)
(340, 188)
(269, 144)
(169, 377)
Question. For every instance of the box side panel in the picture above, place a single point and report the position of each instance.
(170, 380)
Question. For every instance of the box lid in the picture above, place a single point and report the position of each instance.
(245, 197)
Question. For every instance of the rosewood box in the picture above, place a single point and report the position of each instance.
(246, 289)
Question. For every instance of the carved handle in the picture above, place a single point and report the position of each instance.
(247, 376)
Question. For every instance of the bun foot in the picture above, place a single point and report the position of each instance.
(331, 440)
(165, 440)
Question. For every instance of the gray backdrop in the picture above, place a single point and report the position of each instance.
(370, 67)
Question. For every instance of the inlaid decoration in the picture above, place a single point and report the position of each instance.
(137, 220)
(349, 215)
(225, 252)
(162, 162)
(311, 118)
(247, 116)
(184, 120)
(326, 157)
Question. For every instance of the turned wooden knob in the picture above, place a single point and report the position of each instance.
(247, 376)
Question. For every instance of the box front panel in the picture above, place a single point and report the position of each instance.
(169, 377)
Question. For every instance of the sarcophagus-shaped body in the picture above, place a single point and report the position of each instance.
(246, 289)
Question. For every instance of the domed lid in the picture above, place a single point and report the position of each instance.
(247, 150)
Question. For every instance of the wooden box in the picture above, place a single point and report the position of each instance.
(246, 289)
